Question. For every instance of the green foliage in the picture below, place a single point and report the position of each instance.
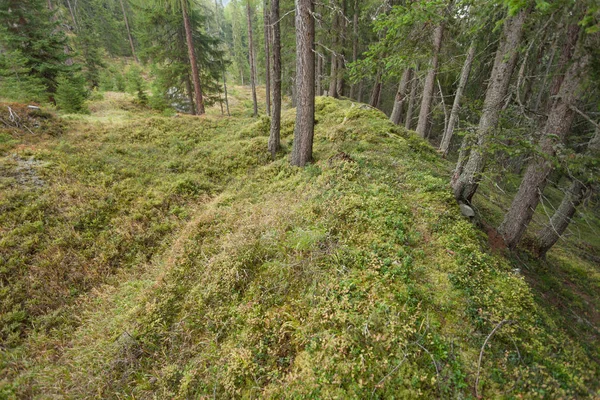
(71, 94)
(30, 35)
(17, 83)
(136, 83)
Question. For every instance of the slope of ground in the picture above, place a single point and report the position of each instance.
(171, 258)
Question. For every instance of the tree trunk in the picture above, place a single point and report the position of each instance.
(319, 74)
(223, 72)
(192, 56)
(190, 93)
(375, 94)
(412, 99)
(128, 32)
(557, 125)
(354, 43)
(464, 76)
(396, 116)
(267, 22)
(251, 57)
(274, 137)
(305, 83)
(428, 88)
(549, 235)
(504, 65)
(332, 92)
(72, 12)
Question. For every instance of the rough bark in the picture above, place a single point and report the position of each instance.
(223, 71)
(318, 76)
(190, 93)
(504, 64)
(267, 23)
(560, 220)
(464, 76)
(396, 116)
(251, 58)
(375, 93)
(192, 56)
(354, 43)
(332, 92)
(429, 85)
(557, 125)
(128, 31)
(274, 137)
(412, 99)
(305, 83)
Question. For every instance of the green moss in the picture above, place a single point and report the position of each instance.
(237, 276)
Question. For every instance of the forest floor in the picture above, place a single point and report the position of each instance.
(167, 256)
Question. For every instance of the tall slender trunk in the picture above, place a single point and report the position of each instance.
(251, 57)
(223, 72)
(354, 43)
(429, 86)
(342, 45)
(396, 116)
(361, 87)
(128, 31)
(267, 23)
(464, 77)
(504, 64)
(72, 12)
(305, 83)
(332, 76)
(556, 127)
(190, 93)
(375, 93)
(274, 137)
(558, 224)
(192, 56)
(412, 98)
(318, 73)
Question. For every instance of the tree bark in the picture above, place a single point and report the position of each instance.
(128, 32)
(192, 56)
(551, 233)
(319, 74)
(504, 64)
(557, 125)
(354, 43)
(251, 58)
(332, 92)
(274, 137)
(412, 98)
(223, 72)
(305, 83)
(429, 86)
(464, 76)
(375, 94)
(267, 23)
(396, 116)
(190, 93)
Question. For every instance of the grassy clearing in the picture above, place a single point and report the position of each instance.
(181, 262)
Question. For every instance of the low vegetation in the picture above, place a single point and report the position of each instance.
(153, 256)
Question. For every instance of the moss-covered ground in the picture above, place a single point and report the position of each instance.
(156, 256)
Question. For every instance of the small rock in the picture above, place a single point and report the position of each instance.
(33, 107)
(466, 210)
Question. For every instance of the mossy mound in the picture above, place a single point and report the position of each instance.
(355, 277)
